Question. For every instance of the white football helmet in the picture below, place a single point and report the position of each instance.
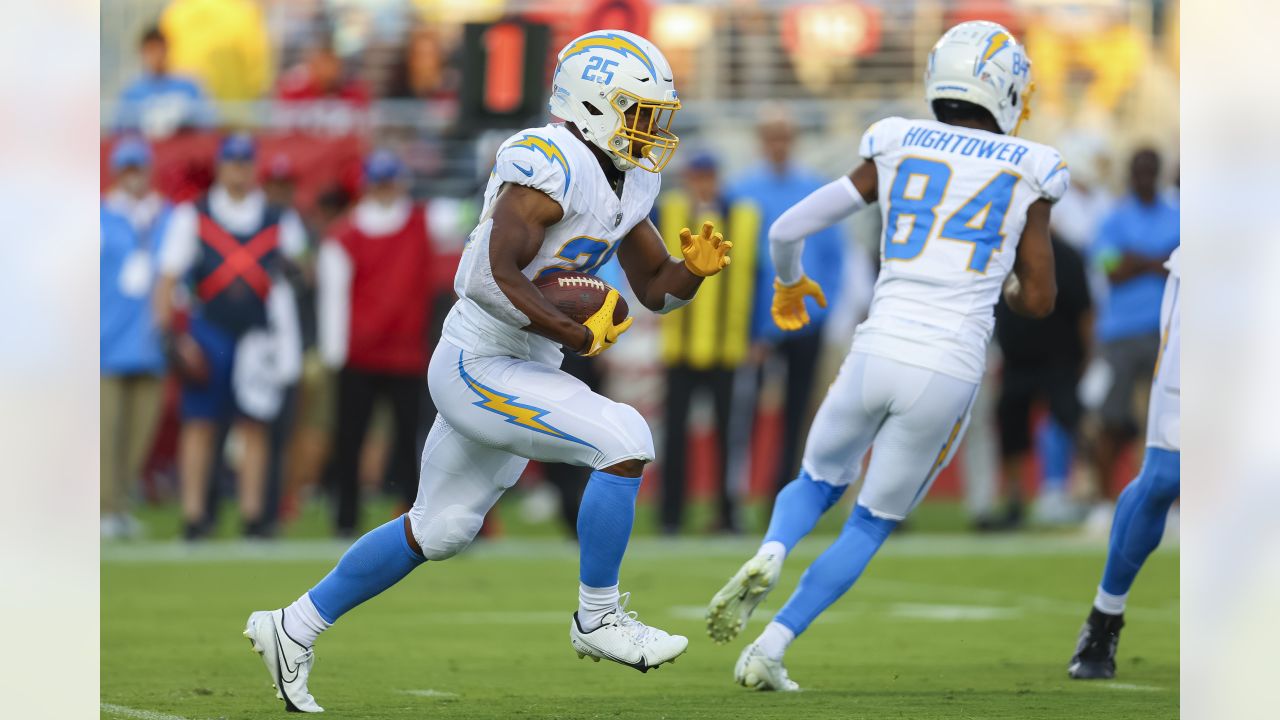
(981, 62)
(617, 89)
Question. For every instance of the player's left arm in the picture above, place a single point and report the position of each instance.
(662, 282)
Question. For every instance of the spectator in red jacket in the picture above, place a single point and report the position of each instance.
(374, 279)
(320, 76)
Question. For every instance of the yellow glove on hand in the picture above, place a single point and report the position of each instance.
(705, 254)
(603, 332)
(788, 310)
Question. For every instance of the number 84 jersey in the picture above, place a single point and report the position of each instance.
(550, 159)
(954, 202)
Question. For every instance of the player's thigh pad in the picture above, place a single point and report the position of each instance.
(459, 482)
(846, 422)
(928, 414)
(534, 410)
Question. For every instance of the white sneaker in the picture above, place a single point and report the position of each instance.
(756, 671)
(732, 606)
(627, 641)
(1055, 507)
(288, 662)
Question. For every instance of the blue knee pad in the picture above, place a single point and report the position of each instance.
(798, 508)
(1162, 470)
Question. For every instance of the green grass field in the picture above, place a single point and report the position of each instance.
(941, 626)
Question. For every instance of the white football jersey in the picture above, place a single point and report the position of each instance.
(954, 202)
(553, 160)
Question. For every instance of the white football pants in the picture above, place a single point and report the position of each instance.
(913, 417)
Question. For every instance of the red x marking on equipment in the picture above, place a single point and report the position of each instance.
(238, 261)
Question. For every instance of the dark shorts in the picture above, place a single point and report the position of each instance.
(1131, 361)
(1024, 385)
(215, 400)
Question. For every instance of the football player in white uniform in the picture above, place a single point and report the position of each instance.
(1144, 505)
(561, 197)
(965, 206)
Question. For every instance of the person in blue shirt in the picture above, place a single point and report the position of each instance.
(159, 103)
(1131, 247)
(131, 366)
(775, 186)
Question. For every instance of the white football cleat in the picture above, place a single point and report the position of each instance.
(627, 641)
(732, 606)
(756, 671)
(288, 662)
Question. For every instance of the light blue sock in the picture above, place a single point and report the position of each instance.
(797, 509)
(378, 560)
(835, 570)
(1140, 515)
(604, 526)
(1056, 450)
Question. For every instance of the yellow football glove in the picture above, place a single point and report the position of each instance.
(788, 310)
(603, 332)
(705, 254)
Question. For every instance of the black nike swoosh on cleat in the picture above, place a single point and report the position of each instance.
(284, 662)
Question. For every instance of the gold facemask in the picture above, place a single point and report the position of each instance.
(1026, 107)
(646, 138)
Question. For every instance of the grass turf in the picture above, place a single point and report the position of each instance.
(941, 626)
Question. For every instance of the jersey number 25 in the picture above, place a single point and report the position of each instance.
(980, 220)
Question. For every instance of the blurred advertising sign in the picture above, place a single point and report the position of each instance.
(504, 66)
(824, 38)
(832, 29)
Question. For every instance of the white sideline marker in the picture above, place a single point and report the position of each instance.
(429, 693)
(137, 714)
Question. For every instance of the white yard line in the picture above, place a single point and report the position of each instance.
(137, 714)
(920, 545)
(429, 693)
(1131, 686)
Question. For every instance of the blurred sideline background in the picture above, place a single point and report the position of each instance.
(766, 87)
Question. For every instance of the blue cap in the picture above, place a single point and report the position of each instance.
(130, 152)
(239, 147)
(703, 160)
(382, 166)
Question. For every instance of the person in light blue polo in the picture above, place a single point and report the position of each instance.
(131, 365)
(775, 186)
(158, 103)
(1131, 247)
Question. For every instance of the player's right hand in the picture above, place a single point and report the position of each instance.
(789, 312)
(603, 332)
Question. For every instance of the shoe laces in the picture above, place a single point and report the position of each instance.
(306, 657)
(629, 621)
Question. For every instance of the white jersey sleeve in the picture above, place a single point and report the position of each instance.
(534, 159)
(883, 136)
(1050, 177)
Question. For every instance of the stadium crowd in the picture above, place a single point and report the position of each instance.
(262, 296)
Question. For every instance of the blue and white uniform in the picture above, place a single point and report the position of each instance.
(501, 397)
(954, 203)
(1164, 411)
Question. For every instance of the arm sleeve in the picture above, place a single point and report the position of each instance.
(180, 244)
(535, 161)
(821, 209)
(333, 303)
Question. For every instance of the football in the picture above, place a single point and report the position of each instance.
(578, 295)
